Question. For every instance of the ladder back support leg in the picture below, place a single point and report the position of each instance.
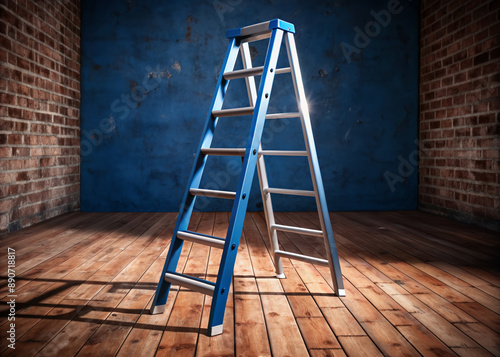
(326, 227)
(252, 159)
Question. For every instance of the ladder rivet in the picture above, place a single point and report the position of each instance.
(254, 151)
(267, 95)
(244, 196)
(272, 70)
(222, 291)
(233, 246)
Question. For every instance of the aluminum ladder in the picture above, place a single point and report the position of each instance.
(252, 158)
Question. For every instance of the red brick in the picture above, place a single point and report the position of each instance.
(491, 154)
(480, 107)
(447, 102)
(7, 99)
(15, 139)
(26, 95)
(454, 136)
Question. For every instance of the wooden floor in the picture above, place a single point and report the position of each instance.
(417, 284)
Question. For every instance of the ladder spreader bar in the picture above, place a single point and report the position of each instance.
(192, 283)
(255, 71)
(283, 153)
(299, 230)
(223, 151)
(282, 115)
(232, 112)
(286, 191)
(194, 237)
(212, 193)
(303, 258)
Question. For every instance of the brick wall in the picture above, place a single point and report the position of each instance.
(459, 110)
(39, 116)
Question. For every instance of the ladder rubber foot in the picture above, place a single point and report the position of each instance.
(341, 292)
(158, 309)
(281, 276)
(214, 330)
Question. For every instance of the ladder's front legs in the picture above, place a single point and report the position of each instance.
(225, 275)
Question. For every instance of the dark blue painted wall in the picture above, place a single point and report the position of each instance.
(148, 74)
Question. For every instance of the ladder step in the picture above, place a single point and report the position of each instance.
(285, 191)
(283, 115)
(260, 30)
(255, 71)
(283, 153)
(212, 193)
(223, 152)
(299, 230)
(233, 112)
(303, 258)
(190, 282)
(201, 239)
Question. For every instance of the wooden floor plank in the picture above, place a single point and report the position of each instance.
(482, 314)
(424, 341)
(25, 276)
(483, 335)
(144, 339)
(443, 329)
(383, 334)
(317, 334)
(327, 353)
(260, 258)
(251, 334)
(108, 339)
(104, 295)
(381, 301)
(30, 256)
(250, 326)
(42, 303)
(360, 346)
(416, 284)
(471, 279)
(445, 308)
(280, 320)
(40, 230)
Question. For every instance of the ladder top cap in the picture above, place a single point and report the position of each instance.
(261, 28)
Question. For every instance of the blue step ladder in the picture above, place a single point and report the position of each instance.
(253, 157)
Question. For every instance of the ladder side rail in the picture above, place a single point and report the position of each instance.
(238, 213)
(317, 181)
(188, 201)
(261, 169)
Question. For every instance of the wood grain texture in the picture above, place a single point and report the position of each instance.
(416, 284)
